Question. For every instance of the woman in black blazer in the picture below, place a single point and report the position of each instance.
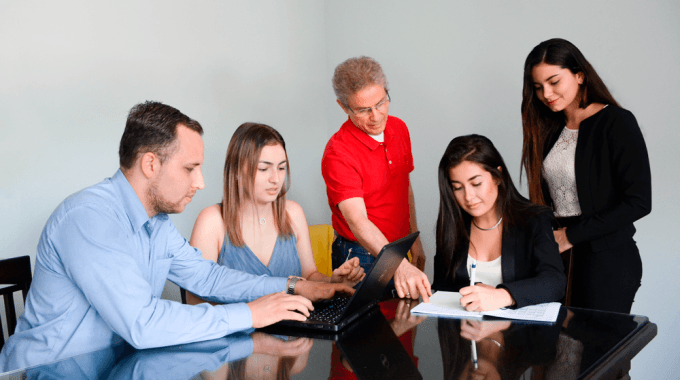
(483, 219)
(586, 158)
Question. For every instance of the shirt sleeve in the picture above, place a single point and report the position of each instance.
(342, 176)
(409, 153)
(547, 282)
(99, 256)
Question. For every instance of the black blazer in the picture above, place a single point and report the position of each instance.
(530, 261)
(613, 178)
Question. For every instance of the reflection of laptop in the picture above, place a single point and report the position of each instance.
(370, 346)
(374, 351)
(336, 313)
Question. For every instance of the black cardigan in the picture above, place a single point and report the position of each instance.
(531, 265)
(613, 178)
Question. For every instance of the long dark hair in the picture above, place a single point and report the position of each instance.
(538, 121)
(451, 232)
(240, 167)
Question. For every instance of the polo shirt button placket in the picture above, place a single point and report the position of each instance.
(389, 161)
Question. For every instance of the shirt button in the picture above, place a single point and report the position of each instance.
(390, 162)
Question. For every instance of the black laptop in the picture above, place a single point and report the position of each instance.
(336, 313)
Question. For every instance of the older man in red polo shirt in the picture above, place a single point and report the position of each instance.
(366, 167)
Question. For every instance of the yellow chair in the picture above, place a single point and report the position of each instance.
(321, 236)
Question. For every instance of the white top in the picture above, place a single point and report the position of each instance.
(487, 272)
(379, 138)
(559, 173)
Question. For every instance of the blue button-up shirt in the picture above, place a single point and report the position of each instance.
(100, 269)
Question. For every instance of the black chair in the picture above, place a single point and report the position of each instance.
(15, 275)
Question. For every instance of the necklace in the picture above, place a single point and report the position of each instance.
(262, 221)
(488, 229)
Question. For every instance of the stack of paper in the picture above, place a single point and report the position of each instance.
(448, 304)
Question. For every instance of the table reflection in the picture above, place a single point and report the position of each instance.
(373, 347)
(383, 345)
(504, 350)
(509, 350)
(273, 357)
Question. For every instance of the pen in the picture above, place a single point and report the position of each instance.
(349, 252)
(474, 354)
(472, 272)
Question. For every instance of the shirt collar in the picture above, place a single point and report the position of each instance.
(362, 136)
(132, 205)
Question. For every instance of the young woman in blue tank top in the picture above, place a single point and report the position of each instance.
(256, 229)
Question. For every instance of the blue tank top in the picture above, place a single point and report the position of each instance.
(283, 263)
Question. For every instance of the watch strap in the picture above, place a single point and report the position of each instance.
(291, 284)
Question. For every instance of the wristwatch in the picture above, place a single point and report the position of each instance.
(292, 280)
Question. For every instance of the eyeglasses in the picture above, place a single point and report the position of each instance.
(365, 112)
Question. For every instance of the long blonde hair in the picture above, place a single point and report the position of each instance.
(243, 155)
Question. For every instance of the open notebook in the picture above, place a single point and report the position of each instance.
(448, 304)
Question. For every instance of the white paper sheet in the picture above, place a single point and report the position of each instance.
(448, 304)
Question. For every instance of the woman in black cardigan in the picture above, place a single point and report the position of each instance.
(483, 218)
(586, 158)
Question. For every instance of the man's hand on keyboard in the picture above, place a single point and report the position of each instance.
(278, 306)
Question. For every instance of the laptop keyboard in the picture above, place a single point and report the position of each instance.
(330, 310)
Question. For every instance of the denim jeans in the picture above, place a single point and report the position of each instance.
(343, 250)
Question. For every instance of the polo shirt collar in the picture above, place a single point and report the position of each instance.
(362, 136)
(134, 209)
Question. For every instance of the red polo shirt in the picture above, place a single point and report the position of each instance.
(355, 165)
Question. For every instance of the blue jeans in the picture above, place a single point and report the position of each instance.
(344, 249)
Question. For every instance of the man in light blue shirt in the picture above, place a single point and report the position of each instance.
(106, 252)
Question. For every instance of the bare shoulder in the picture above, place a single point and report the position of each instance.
(294, 209)
(210, 221)
(297, 216)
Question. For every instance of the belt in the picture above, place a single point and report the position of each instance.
(337, 236)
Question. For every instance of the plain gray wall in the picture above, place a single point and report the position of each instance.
(70, 71)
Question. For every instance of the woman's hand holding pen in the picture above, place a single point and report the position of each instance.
(349, 273)
(483, 297)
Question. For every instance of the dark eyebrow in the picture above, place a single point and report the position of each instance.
(549, 78)
(469, 179)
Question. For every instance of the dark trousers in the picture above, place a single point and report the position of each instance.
(607, 279)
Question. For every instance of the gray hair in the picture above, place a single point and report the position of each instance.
(354, 75)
